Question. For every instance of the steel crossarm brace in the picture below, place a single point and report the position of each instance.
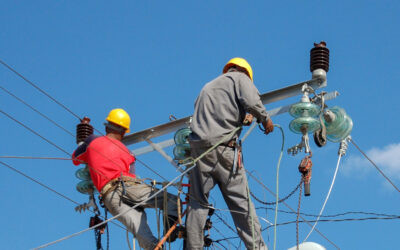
(266, 98)
(148, 149)
(165, 155)
(272, 112)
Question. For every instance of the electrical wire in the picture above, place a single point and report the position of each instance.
(118, 215)
(49, 188)
(333, 215)
(53, 99)
(308, 223)
(338, 220)
(193, 162)
(34, 158)
(230, 243)
(323, 220)
(38, 182)
(58, 147)
(39, 89)
(33, 131)
(327, 197)
(37, 111)
(277, 181)
(373, 163)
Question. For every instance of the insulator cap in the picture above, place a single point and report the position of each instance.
(83, 130)
(319, 57)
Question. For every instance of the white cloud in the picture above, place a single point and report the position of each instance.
(387, 159)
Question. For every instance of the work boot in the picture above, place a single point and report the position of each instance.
(171, 221)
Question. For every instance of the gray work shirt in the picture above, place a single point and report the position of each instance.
(221, 107)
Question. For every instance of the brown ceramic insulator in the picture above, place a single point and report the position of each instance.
(83, 130)
(319, 57)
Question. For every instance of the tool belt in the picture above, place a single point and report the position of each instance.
(114, 183)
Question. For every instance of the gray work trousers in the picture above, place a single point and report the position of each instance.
(216, 168)
(135, 220)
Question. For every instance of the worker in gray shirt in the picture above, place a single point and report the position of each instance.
(224, 104)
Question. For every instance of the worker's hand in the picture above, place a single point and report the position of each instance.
(248, 120)
(268, 126)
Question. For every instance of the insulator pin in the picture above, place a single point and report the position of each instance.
(319, 57)
(83, 130)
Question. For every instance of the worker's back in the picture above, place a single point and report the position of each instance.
(107, 159)
(221, 107)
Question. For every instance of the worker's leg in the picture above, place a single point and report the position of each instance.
(135, 220)
(137, 193)
(201, 183)
(145, 194)
(235, 192)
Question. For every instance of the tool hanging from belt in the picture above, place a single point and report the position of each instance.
(237, 158)
(305, 168)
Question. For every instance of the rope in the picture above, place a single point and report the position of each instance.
(152, 196)
(127, 240)
(277, 181)
(252, 217)
(377, 168)
(297, 218)
(35, 86)
(327, 197)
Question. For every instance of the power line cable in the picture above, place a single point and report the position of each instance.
(338, 220)
(333, 215)
(38, 182)
(37, 111)
(34, 157)
(229, 242)
(50, 189)
(323, 220)
(280, 200)
(308, 223)
(38, 88)
(33, 131)
(377, 168)
(118, 215)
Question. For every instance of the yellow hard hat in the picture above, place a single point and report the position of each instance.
(241, 63)
(119, 117)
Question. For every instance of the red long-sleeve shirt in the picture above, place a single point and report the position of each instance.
(107, 159)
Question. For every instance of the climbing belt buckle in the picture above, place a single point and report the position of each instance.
(305, 168)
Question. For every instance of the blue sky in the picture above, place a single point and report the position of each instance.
(152, 59)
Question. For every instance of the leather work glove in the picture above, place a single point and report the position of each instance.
(248, 120)
(268, 126)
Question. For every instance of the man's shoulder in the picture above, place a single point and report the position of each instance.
(91, 138)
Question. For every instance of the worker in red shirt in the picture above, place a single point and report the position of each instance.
(112, 171)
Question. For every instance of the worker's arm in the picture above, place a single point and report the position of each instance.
(249, 98)
(79, 155)
(132, 168)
